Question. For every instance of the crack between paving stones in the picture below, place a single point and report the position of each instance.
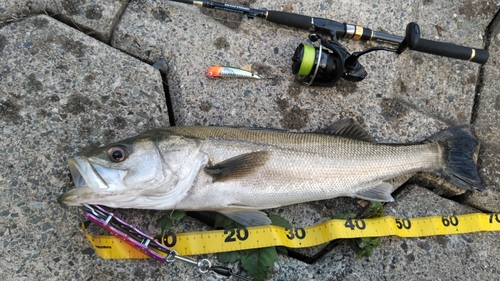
(116, 21)
(163, 75)
(69, 22)
(166, 91)
(460, 199)
(480, 82)
(413, 181)
(492, 28)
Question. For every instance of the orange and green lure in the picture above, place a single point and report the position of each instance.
(231, 72)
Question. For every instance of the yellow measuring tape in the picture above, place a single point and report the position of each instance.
(216, 241)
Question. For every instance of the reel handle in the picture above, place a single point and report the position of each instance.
(414, 42)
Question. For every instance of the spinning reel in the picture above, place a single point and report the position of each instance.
(325, 64)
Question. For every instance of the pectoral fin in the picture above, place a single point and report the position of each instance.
(247, 217)
(380, 192)
(238, 166)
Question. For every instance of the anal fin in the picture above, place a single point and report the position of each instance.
(380, 192)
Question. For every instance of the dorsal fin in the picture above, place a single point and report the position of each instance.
(237, 166)
(348, 128)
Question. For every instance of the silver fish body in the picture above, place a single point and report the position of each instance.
(238, 171)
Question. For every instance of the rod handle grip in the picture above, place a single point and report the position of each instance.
(290, 19)
(441, 48)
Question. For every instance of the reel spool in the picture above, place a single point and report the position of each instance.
(319, 66)
(325, 64)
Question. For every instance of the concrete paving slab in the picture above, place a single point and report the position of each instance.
(60, 91)
(16, 10)
(486, 123)
(94, 19)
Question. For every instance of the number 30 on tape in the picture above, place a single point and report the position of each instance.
(216, 241)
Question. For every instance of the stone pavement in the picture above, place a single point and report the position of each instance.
(78, 74)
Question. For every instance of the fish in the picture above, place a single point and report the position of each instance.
(227, 71)
(239, 172)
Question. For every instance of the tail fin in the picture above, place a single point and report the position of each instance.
(459, 146)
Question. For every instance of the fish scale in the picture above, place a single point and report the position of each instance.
(310, 176)
(239, 171)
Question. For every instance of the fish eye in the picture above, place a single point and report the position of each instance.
(209, 73)
(117, 153)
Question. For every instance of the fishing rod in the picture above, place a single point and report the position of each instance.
(324, 64)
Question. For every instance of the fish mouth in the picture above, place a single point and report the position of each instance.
(75, 197)
(87, 181)
(85, 174)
